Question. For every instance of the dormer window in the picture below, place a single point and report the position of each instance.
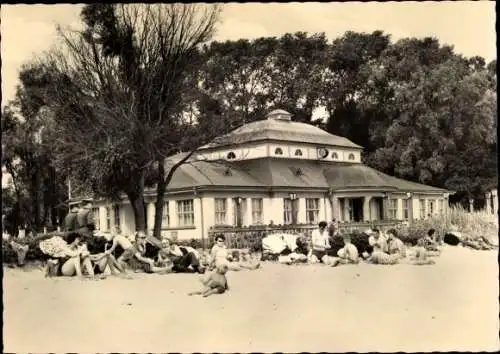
(298, 152)
(335, 156)
(278, 151)
(351, 157)
(231, 156)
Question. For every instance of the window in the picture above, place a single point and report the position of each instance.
(351, 157)
(422, 208)
(220, 211)
(257, 207)
(406, 208)
(335, 156)
(287, 211)
(278, 151)
(431, 207)
(393, 209)
(95, 216)
(185, 212)
(312, 210)
(231, 155)
(441, 206)
(298, 152)
(165, 215)
(117, 215)
(108, 218)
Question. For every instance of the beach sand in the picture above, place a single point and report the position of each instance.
(452, 305)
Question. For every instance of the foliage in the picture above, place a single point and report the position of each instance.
(457, 219)
(116, 91)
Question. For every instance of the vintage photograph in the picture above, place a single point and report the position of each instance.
(250, 177)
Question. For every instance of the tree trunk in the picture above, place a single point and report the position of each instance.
(136, 197)
(161, 188)
(159, 203)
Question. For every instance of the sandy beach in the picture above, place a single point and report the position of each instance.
(452, 305)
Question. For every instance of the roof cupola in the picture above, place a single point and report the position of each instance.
(279, 114)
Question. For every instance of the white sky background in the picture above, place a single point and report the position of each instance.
(467, 25)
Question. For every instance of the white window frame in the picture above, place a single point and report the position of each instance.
(393, 209)
(108, 218)
(116, 215)
(287, 211)
(185, 212)
(441, 206)
(422, 208)
(165, 215)
(220, 211)
(432, 207)
(406, 208)
(312, 210)
(95, 216)
(257, 211)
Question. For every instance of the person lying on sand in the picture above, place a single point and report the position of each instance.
(68, 256)
(214, 282)
(479, 243)
(136, 259)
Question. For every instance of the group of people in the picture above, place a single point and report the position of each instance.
(382, 248)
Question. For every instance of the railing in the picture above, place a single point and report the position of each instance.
(251, 236)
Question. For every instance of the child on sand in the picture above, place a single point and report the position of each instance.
(346, 255)
(214, 282)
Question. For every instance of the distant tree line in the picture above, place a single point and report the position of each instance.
(143, 82)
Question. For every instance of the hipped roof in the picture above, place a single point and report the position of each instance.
(288, 173)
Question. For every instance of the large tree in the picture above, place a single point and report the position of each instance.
(116, 91)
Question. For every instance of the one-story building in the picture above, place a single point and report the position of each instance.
(276, 171)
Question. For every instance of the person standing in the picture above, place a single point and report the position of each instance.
(84, 219)
(70, 220)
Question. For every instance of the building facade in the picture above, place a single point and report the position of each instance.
(276, 171)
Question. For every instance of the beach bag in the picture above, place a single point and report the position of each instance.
(451, 239)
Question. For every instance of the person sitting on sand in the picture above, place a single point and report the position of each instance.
(184, 259)
(118, 240)
(68, 256)
(214, 282)
(378, 256)
(220, 256)
(377, 239)
(102, 259)
(135, 257)
(320, 241)
(394, 244)
(430, 241)
(419, 254)
(346, 255)
(20, 250)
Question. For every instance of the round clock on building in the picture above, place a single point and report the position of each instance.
(322, 153)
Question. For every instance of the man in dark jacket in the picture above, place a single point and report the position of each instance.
(70, 220)
(85, 219)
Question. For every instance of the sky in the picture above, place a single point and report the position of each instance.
(467, 25)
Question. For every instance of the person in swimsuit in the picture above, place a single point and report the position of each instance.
(214, 282)
(135, 257)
